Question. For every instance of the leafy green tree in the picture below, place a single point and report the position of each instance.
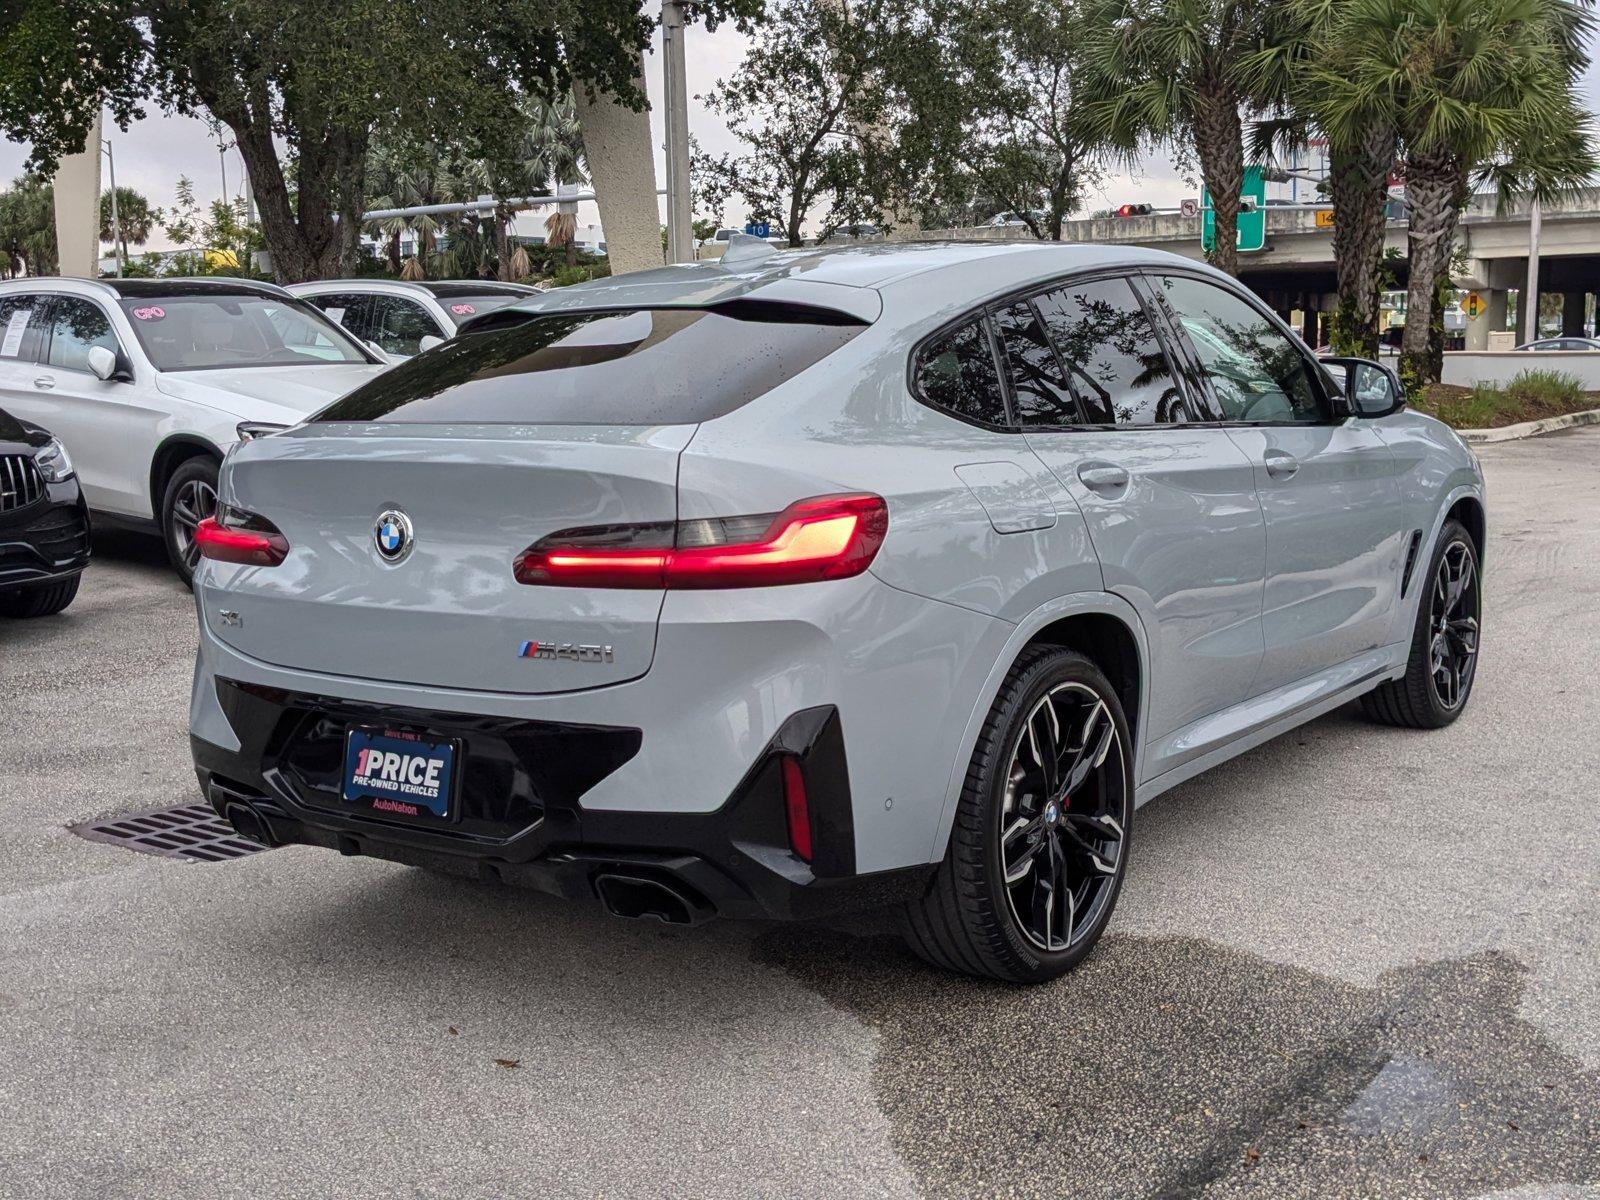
(804, 100)
(28, 226)
(994, 111)
(216, 238)
(1179, 71)
(1477, 91)
(317, 79)
(136, 218)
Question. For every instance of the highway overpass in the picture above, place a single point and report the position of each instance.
(1295, 272)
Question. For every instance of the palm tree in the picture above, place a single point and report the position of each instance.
(135, 217)
(1476, 91)
(1179, 71)
(1283, 77)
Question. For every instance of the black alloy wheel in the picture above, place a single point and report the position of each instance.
(1041, 836)
(1445, 641)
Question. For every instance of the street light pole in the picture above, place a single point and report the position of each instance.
(1530, 303)
(116, 218)
(680, 222)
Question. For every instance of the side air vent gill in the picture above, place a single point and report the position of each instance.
(1411, 561)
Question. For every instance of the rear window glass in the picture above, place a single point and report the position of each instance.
(646, 366)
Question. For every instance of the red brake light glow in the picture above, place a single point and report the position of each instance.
(826, 537)
(254, 544)
(796, 806)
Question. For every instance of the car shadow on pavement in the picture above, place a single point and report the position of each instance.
(1176, 1067)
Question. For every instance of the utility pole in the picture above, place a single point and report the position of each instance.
(680, 221)
(1530, 294)
(116, 218)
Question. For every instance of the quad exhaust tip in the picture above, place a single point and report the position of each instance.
(644, 898)
(248, 823)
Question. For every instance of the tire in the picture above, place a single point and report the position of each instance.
(41, 600)
(970, 919)
(1423, 698)
(189, 497)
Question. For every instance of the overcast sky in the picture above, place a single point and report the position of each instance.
(157, 150)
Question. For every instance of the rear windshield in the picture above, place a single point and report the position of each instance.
(646, 366)
(205, 332)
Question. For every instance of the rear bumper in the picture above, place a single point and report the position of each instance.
(519, 817)
(46, 541)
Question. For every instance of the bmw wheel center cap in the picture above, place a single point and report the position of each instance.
(391, 534)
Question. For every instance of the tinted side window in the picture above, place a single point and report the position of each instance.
(399, 325)
(77, 326)
(646, 366)
(1111, 352)
(1256, 371)
(21, 324)
(956, 372)
(352, 310)
(1037, 384)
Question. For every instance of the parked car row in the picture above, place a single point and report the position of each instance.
(146, 383)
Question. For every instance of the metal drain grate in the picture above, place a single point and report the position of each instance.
(187, 831)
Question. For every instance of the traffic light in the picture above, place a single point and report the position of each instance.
(1135, 210)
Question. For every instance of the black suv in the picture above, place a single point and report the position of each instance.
(44, 523)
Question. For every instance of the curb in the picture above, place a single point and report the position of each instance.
(1527, 429)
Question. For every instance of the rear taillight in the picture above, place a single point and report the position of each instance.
(796, 806)
(236, 536)
(826, 537)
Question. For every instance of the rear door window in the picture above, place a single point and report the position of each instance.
(643, 366)
(1113, 357)
(351, 310)
(22, 321)
(399, 325)
(956, 372)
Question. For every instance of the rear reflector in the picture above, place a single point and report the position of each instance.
(246, 538)
(796, 806)
(826, 537)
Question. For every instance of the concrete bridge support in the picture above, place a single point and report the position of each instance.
(1574, 307)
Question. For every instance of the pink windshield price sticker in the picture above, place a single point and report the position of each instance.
(462, 310)
(152, 313)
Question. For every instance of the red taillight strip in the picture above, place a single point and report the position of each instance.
(796, 805)
(246, 546)
(826, 537)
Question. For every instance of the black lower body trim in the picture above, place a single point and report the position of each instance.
(528, 829)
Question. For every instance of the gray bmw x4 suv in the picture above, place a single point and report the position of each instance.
(895, 575)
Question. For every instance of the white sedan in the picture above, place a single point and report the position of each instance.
(401, 318)
(149, 381)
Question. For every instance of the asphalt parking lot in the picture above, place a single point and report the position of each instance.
(1356, 962)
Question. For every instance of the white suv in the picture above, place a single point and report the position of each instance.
(149, 381)
(401, 318)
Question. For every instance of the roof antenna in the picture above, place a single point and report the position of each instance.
(744, 248)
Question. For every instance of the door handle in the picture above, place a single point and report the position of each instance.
(1103, 477)
(44, 383)
(1281, 465)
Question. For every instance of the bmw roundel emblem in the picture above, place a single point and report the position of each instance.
(391, 533)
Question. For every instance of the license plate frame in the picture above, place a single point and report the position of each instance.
(409, 789)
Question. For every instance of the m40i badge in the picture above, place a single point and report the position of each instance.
(566, 651)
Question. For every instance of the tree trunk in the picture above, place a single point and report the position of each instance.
(502, 245)
(621, 158)
(394, 251)
(1360, 176)
(1219, 139)
(1434, 184)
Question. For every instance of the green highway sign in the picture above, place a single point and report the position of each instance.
(1252, 214)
